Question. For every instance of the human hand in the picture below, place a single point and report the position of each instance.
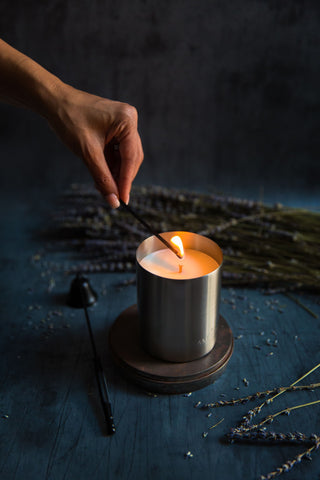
(91, 126)
(104, 133)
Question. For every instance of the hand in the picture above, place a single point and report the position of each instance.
(104, 133)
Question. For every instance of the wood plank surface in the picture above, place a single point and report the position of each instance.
(51, 424)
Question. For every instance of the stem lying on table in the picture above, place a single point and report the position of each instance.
(257, 433)
(273, 247)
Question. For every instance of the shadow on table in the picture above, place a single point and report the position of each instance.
(58, 362)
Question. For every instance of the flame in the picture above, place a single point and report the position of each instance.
(176, 240)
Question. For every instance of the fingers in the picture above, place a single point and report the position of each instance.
(131, 158)
(102, 176)
(114, 159)
(113, 200)
(114, 177)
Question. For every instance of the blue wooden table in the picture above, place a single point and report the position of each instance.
(51, 424)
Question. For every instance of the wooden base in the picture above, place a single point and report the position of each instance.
(155, 375)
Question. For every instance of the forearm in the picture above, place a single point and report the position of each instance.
(89, 125)
(23, 82)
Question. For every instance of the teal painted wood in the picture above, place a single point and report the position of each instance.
(51, 424)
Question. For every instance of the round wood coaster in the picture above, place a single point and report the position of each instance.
(159, 376)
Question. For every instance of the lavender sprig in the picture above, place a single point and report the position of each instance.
(264, 435)
(245, 424)
(257, 395)
(254, 433)
(252, 233)
(289, 464)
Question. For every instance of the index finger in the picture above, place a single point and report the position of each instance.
(102, 176)
(131, 158)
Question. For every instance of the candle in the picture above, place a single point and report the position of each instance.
(165, 264)
(178, 320)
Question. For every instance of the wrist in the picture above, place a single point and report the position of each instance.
(50, 92)
(24, 82)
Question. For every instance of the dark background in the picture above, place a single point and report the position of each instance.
(227, 91)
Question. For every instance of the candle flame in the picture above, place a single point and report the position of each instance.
(176, 240)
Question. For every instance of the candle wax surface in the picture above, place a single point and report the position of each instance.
(165, 264)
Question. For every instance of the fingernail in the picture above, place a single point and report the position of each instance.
(113, 200)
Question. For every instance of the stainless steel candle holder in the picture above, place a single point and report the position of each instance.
(178, 318)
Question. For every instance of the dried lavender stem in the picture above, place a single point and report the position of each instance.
(214, 426)
(245, 423)
(289, 464)
(247, 218)
(297, 381)
(266, 436)
(249, 432)
(86, 216)
(302, 305)
(281, 412)
(257, 395)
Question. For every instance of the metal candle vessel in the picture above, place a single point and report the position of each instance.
(178, 318)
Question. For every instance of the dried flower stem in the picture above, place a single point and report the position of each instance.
(245, 423)
(214, 426)
(267, 436)
(297, 381)
(287, 411)
(253, 234)
(257, 395)
(248, 432)
(302, 305)
(289, 464)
